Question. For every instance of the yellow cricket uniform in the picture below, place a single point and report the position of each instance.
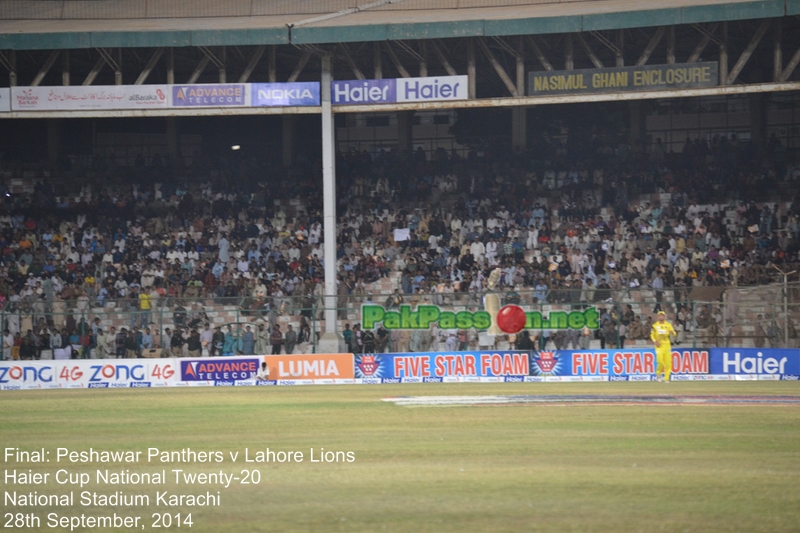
(661, 333)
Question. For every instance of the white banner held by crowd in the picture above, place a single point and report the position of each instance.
(401, 234)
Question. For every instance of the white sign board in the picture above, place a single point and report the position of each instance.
(5, 100)
(58, 98)
(432, 89)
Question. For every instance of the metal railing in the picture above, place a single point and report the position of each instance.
(153, 9)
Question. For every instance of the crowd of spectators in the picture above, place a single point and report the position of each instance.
(562, 231)
(92, 341)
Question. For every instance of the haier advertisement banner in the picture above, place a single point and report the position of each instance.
(390, 91)
(758, 363)
(299, 94)
(101, 97)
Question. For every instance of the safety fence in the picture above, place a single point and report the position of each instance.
(760, 317)
(712, 364)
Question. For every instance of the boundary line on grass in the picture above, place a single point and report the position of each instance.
(589, 399)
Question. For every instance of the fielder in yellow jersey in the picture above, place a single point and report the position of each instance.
(661, 333)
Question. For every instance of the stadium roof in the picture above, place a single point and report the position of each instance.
(70, 24)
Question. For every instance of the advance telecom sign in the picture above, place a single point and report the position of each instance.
(391, 91)
(301, 94)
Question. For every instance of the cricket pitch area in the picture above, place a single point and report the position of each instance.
(684, 456)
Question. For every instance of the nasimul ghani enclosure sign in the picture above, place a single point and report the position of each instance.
(624, 79)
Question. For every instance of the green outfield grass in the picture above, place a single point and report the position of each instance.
(493, 468)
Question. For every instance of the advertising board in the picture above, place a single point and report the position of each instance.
(389, 91)
(285, 94)
(624, 79)
(100, 97)
(212, 95)
(760, 362)
(629, 364)
(87, 373)
(716, 364)
(440, 366)
(310, 366)
(228, 371)
(5, 99)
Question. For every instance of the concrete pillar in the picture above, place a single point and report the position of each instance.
(171, 66)
(331, 341)
(637, 129)
(405, 124)
(519, 128)
(377, 61)
(288, 122)
(53, 140)
(519, 124)
(723, 56)
(472, 75)
(172, 139)
(758, 124)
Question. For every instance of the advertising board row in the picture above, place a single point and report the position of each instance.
(576, 365)
(346, 92)
(111, 97)
(303, 94)
(133, 373)
(330, 369)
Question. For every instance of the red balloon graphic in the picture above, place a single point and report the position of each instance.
(511, 319)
